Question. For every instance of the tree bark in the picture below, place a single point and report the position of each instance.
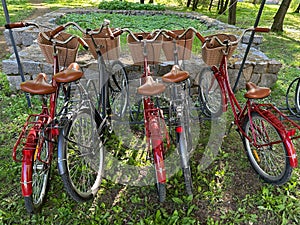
(277, 25)
(195, 4)
(298, 9)
(232, 12)
(188, 3)
(223, 6)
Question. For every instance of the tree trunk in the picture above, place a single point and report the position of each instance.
(277, 25)
(223, 6)
(232, 12)
(151, 1)
(195, 4)
(298, 9)
(142, 1)
(210, 5)
(188, 3)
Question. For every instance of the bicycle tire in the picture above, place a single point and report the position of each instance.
(297, 97)
(80, 155)
(118, 89)
(40, 177)
(158, 157)
(183, 145)
(210, 95)
(277, 171)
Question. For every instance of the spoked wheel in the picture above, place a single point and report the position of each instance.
(271, 160)
(80, 155)
(158, 157)
(297, 96)
(40, 177)
(210, 95)
(118, 89)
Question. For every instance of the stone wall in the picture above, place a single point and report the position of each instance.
(258, 69)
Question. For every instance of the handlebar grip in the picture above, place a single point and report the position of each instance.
(117, 33)
(83, 43)
(15, 25)
(56, 31)
(172, 34)
(200, 37)
(262, 29)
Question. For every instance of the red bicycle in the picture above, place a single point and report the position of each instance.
(266, 132)
(35, 145)
(156, 132)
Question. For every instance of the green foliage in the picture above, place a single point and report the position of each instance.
(17, 9)
(125, 5)
(138, 23)
(228, 192)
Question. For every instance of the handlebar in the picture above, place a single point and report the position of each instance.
(215, 40)
(52, 33)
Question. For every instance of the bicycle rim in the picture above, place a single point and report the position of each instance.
(271, 161)
(80, 152)
(210, 95)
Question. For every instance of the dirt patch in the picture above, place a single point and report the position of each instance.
(39, 10)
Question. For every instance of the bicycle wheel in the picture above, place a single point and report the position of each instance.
(184, 146)
(271, 161)
(118, 89)
(158, 156)
(40, 176)
(210, 95)
(297, 96)
(80, 155)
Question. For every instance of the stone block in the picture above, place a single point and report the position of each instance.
(267, 80)
(255, 78)
(273, 66)
(260, 67)
(15, 81)
(247, 72)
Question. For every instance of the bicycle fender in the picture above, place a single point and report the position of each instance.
(291, 151)
(26, 175)
(61, 154)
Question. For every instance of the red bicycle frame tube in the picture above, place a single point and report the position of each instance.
(32, 148)
(240, 113)
(152, 128)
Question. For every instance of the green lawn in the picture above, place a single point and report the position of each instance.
(228, 192)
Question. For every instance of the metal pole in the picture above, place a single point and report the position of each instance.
(20, 68)
(249, 44)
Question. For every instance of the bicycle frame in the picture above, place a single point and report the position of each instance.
(32, 149)
(264, 110)
(151, 113)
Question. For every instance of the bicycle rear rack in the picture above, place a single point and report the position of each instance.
(281, 121)
(28, 138)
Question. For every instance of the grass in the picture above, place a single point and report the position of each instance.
(227, 192)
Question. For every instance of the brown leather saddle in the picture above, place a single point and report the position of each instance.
(72, 73)
(150, 87)
(40, 86)
(256, 92)
(175, 75)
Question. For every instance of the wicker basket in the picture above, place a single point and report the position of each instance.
(66, 53)
(110, 49)
(212, 54)
(184, 46)
(136, 49)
